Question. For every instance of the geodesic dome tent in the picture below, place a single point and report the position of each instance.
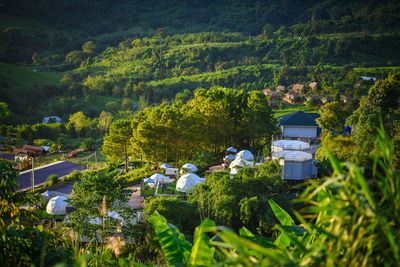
(158, 177)
(239, 163)
(289, 145)
(189, 167)
(187, 181)
(57, 206)
(245, 155)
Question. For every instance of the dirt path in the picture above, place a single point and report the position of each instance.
(135, 200)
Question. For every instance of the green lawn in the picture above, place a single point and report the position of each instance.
(293, 108)
(26, 78)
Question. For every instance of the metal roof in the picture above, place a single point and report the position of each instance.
(60, 168)
(299, 118)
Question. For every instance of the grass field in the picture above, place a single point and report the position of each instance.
(26, 78)
(293, 108)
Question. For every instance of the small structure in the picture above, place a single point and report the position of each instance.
(298, 88)
(159, 178)
(280, 88)
(34, 151)
(239, 163)
(347, 99)
(57, 206)
(295, 165)
(231, 150)
(244, 155)
(52, 119)
(272, 95)
(367, 78)
(187, 181)
(171, 172)
(299, 124)
(229, 157)
(291, 98)
(47, 194)
(164, 166)
(314, 86)
(189, 167)
(326, 100)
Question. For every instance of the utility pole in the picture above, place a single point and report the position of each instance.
(95, 157)
(33, 174)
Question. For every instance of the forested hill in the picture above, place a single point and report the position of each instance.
(59, 26)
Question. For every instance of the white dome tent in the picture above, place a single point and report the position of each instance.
(57, 206)
(280, 145)
(229, 157)
(159, 178)
(187, 181)
(189, 167)
(232, 150)
(245, 155)
(239, 163)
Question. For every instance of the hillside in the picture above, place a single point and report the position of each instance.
(97, 55)
(24, 88)
(64, 25)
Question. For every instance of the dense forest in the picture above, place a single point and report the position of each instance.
(120, 87)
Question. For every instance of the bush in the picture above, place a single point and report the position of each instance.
(73, 176)
(53, 179)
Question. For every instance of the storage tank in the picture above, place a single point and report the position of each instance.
(295, 165)
(280, 145)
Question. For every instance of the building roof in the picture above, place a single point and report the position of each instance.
(313, 85)
(33, 148)
(17, 151)
(60, 168)
(299, 118)
(280, 88)
(5, 156)
(271, 93)
(298, 87)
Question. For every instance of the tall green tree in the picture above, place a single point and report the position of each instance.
(96, 195)
(381, 103)
(332, 118)
(116, 144)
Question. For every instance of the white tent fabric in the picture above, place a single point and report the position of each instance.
(188, 181)
(112, 214)
(289, 145)
(189, 167)
(164, 166)
(57, 206)
(239, 163)
(47, 194)
(230, 157)
(166, 180)
(292, 155)
(149, 181)
(158, 177)
(232, 150)
(245, 155)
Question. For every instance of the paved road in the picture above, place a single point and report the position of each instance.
(61, 168)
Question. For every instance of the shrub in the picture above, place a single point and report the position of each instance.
(73, 176)
(53, 179)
